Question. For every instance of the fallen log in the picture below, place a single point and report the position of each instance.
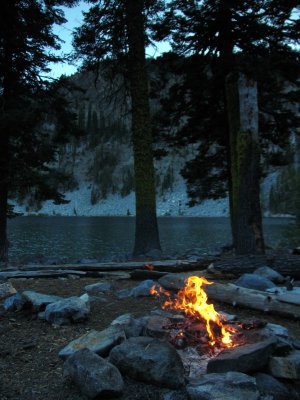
(165, 266)
(253, 299)
(40, 274)
(288, 265)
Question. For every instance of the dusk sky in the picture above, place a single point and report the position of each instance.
(75, 18)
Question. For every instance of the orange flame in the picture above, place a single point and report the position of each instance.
(149, 267)
(192, 299)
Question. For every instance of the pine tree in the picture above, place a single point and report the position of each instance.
(26, 44)
(237, 38)
(117, 30)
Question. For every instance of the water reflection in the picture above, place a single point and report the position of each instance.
(98, 237)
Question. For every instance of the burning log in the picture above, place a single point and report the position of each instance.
(254, 299)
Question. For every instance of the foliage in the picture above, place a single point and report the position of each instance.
(284, 195)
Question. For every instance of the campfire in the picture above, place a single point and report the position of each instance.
(204, 326)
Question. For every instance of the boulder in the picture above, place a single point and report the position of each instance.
(6, 290)
(224, 386)
(269, 273)
(287, 367)
(65, 311)
(14, 303)
(253, 281)
(149, 360)
(99, 287)
(250, 357)
(269, 386)
(95, 377)
(38, 301)
(131, 326)
(143, 289)
(99, 342)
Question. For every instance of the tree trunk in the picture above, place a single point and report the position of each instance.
(242, 111)
(5, 123)
(146, 228)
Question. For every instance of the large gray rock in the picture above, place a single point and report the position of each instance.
(95, 377)
(14, 303)
(276, 330)
(65, 311)
(143, 289)
(172, 281)
(226, 386)
(149, 360)
(6, 290)
(250, 357)
(252, 281)
(269, 386)
(286, 367)
(270, 274)
(38, 301)
(131, 326)
(99, 287)
(98, 342)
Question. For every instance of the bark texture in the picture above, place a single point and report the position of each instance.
(146, 228)
(242, 110)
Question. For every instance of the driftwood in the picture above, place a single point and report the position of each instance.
(285, 265)
(253, 299)
(40, 274)
(165, 266)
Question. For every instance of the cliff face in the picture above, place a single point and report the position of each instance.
(99, 163)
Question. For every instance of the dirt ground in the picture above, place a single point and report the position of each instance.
(30, 368)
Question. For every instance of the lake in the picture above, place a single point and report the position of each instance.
(100, 237)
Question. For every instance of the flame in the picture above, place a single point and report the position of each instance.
(149, 267)
(192, 299)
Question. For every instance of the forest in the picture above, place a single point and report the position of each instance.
(201, 323)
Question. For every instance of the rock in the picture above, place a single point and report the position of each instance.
(250, 357)
(176, 281)
(6, 290)
(277, 330)
(100, 342)
(149, 360)
(131, 326)
(286, 367)
(252, 281)
(268, 385)
(95, 377)
(225, 386)
(157, 326)
(172, 281)
(38, 301)
(14, 303)
(143, 289)
(72, 309)
(270, 274)
(102, 287)
(174, 395)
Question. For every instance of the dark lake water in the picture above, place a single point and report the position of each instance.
(99, 237)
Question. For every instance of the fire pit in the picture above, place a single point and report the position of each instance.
(202, 326)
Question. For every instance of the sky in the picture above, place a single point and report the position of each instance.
(74, 19)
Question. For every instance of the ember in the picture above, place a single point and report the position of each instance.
(192, 300)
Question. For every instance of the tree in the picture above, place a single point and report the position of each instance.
(236, 38)
(117, 30)
(26, 44)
